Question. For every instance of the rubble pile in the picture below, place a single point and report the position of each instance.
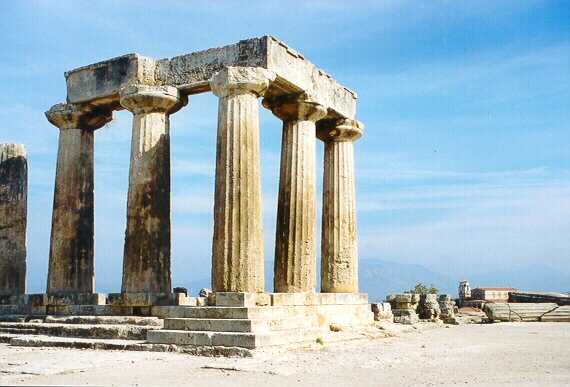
(429, 307)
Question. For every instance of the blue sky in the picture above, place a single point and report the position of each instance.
(464, 166)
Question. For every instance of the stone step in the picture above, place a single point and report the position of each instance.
(233, 339)
(114, 320)
(7, 337)
(22, 331)
(121, 345)
(227, 312)
(128, 332)
(240, 325)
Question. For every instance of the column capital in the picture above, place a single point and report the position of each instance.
(342, 129)
(240, 80)
(70, 116)
(138, 98)
(295, 107)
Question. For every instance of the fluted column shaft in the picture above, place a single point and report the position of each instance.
(295, 256)
(146, 260)
(71, 259)
(13, 218)
(237, 249)
(339, 250)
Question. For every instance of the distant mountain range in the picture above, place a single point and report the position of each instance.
(380, 278)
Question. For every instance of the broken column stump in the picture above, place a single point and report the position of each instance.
(13, 212)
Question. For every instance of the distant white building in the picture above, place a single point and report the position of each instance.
(464, 290)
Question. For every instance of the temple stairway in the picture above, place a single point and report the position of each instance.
(83, 332)
(235, 324)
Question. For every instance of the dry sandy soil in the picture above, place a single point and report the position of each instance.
(518, 354)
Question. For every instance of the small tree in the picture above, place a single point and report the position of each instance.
(420, 288)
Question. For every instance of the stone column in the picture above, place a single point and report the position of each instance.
(339, 251)
(71, 259)
(146, 261)
(13, 215)
(295, 257)
(237, 250)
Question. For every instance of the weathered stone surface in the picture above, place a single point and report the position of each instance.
(404, 307)
(242, 299)
(429, 307)
(237, 249)
(405, 316)
(101, 82)
(295, 265)
(339, 250)
(71, 259)
(447, 307)
(146, 261)
(13, 218)
(404, 301)
(524, 311)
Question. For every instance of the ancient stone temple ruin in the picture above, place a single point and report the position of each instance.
(240, 312)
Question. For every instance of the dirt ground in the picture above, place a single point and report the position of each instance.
(517, 354)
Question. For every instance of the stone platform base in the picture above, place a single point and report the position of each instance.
(233, 323)
(248, 320)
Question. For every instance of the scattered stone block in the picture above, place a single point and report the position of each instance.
(429, 307)
(405, 316)
(505, 311)
(447, 307)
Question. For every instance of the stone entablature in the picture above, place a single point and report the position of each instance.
(100, 83)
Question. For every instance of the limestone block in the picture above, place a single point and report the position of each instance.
(429, 307)
(517, 311)
(404, 301)
(242, 299)
(447, 307)
(141, 299)
(65, 299)
(287, 299)
(13, 218)
(342, 298)
(405, 316)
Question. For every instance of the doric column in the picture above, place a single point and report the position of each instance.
(339, 250)
(13, 216)
(295, 259)
(146, 260)
(71, 260)
(237, 249)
